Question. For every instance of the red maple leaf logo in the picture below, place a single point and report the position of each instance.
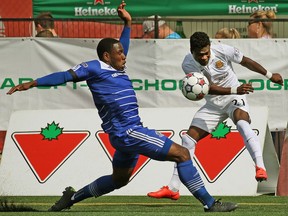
(46, 151)
(224, 145)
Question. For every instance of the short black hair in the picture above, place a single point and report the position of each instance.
(45, 19)
(105, 45)
(199, 40)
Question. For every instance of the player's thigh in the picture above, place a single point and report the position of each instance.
(197, 133)
(124, 159)
(208, 117)
(238, 109)
(150, 143)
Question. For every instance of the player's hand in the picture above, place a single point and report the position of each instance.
(22, 87)
(277, 78)
(123, 14)
(245, 89)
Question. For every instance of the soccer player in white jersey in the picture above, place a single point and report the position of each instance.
(116, 101)
(226, 98)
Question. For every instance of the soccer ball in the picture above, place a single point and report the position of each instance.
(195, 86)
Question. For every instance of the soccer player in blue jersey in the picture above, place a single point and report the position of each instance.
(115, 99)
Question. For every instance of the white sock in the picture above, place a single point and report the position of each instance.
(175, 182)
(189, 143)
(252, 142)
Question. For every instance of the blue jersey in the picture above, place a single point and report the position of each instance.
(113, 95)
(112, 90)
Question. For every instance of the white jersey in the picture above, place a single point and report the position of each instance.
(219, 69)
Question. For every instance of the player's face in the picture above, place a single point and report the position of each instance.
(202, 56)
(117, 57)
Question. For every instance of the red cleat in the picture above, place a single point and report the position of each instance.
(165, 192)
(261, 174)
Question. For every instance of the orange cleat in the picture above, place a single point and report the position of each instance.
(165, 192)
(261, 174)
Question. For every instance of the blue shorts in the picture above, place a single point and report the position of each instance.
(139, 140)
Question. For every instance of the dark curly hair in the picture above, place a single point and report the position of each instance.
(105, 45)
(199, 40)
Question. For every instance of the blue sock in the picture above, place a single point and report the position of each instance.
(190, 177)
(100, 186)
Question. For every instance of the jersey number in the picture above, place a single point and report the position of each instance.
(238, 103)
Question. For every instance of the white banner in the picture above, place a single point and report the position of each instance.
(153, 65)
(47, 150)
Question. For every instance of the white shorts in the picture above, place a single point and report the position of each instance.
(214, 112)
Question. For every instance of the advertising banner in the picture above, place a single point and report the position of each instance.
(143, 8)
(67, 147)
(154, 66)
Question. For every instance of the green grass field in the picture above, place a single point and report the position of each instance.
(269, 205)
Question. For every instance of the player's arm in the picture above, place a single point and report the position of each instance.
(125, 35)
(242, 89)
(53, 79)
(256, 67)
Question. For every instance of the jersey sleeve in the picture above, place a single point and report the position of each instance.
(80, 72)
(233, 54)
(125, 39)
(54, 79)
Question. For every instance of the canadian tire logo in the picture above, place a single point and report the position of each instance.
(46, 151)
(216, 152)
(103, 139)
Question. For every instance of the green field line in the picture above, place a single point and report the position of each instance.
(148, 204)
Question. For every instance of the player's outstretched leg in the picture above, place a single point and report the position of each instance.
(190, 177)
(100, 186)
(253, 146)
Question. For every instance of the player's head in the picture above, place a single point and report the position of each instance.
(110, 51)
(200, 47)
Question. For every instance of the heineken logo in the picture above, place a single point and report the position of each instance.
(89, 11)
(253, 6)
(243, 9)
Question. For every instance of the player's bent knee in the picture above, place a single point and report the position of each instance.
(121, 184)
(185, 155)
(121, 176)
(178, 153)
(188, 142)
